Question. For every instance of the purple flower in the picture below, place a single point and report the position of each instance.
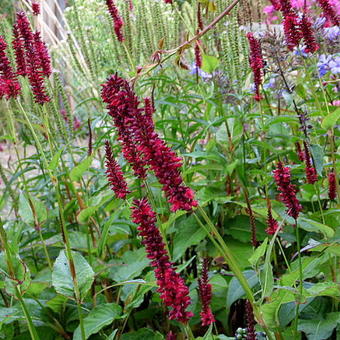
(332, 33)
(197, 70)
(334, 65)
(323, 64)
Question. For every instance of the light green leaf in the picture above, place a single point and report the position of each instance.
(25, 210)
(330, 120)
(318, 156)
(267, 279)
(54, 161)
(99, 317)
(310, 225)
(209, 63)
(78, 171)
(143, 333)
(85, 214)
(62, 278)
(259, 252)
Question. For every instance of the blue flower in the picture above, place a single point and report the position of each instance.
(334, 65)
(332, 33)
(329, 63)
(196, 70)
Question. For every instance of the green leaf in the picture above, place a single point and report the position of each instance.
(320, 329)
(318, 156)
(85, 214)
(188, 234)
(62, 279)
(99, 317)
(267, 279)
(330, 120)
(143, 333)
(209, 63)
(54, 161)
(259, 252)
(25, 210)
(78, 171)
(310, 225)
(236, 291)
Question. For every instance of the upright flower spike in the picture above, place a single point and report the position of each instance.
(251, 333)
(43, 55)
(256, 63)
(299, 152)
(9, 85)
(331, 186)
(329, 12)
(311, 173)
(308, 35)
(276, 4)
(205, 293)
(198, 55)
(287, 190)
(291, 24)
(272, 224)
(171, 336)
(114, 174)
(18, 47)
(145, 148)
(34, 72)
(35, 8)
(118, 22)
(174, 292)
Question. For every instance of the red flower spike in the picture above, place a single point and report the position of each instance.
(18, 47)
(329, 12)
(35, 8)
(9, 85)
(287, 190)
(114, 174)
(141, 144)
(251, 333)
(331, 186)
(256, 63)
(276, 4)
(311, 173)
(205, 293)
(118, 22)
(272, 224)
(168, 1)
(198, 55)
(308, 35)
(300, 152)
(34, 63)
(171, 336)
(172, 288)
(199, 17)
(43, 55)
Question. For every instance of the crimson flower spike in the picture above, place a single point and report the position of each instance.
(118, 22)
(299, 152)
(287, 190)
(142, 146)
(311, 173)
(332, 185)
(168, 1)
(251, 333)
(114, 174)
(44, 57)
(18, 47)
(198, 55)
(308, 35)
(34, 63)
(272, 224)
(35, 8)
(9, 85)
(205, 293)
(256, 63)
(174, 292)
(329, 12)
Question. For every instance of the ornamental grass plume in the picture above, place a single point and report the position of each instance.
(118, 22)
(329, 12)
(256, 63)
(205, 294)
(287, 190)
(311, 173)
(9, 85)
(251, 333)
(32, 57)
(332, 185)
(114, 174)
(141, 144)
(174, 292)
(35, 8)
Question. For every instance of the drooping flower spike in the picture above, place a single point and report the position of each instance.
(174, 292)
(256, 63)
(114, 174)
(9, 85)
(142, 146)
(118, 22)
(205, 293)
(287, 190)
